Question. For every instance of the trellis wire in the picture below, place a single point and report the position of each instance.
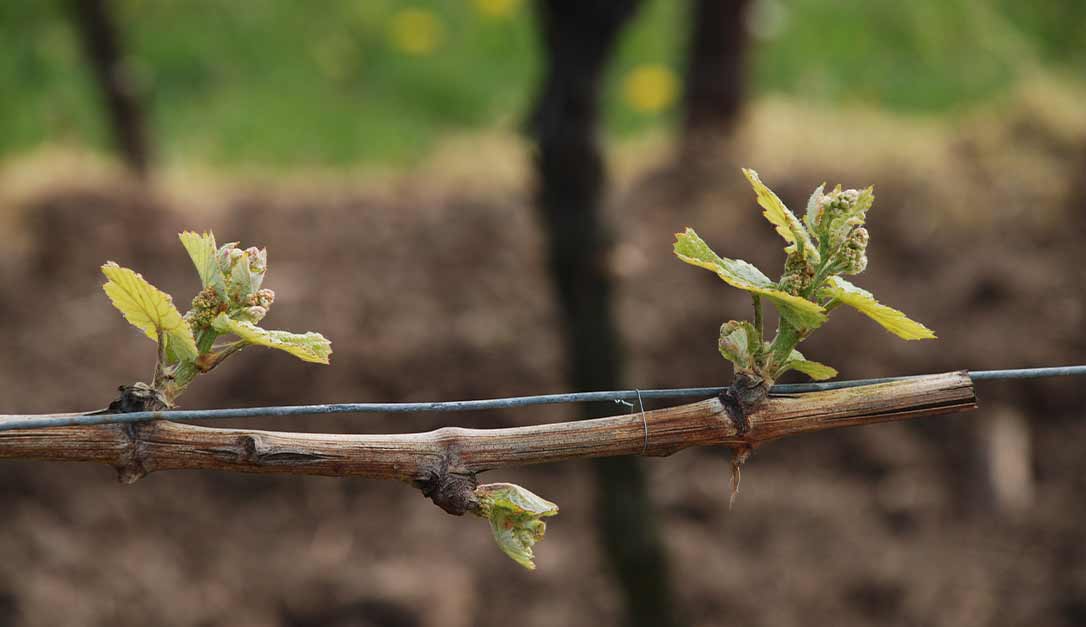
(34, 421)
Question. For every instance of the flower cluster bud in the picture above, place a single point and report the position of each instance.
(257, 305)
(242, 271)
(838, 212)
(798, 274)
(838, 224)
(252, 314)
(205, 306)
(853, 255)
(263, 298)
(836, 203)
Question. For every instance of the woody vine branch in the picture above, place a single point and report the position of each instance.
(830, 242)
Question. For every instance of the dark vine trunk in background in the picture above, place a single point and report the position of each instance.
(578, 38)
(715, 74)
(101, 42)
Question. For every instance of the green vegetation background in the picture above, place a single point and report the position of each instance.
(283, 83)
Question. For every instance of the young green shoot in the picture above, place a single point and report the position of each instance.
(829, 243)
(223, 319)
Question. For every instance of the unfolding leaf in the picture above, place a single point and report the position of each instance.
(258, 266)
(841, 211)
(515, 516)
(740, 344)
(863, 301)
(799, 311)
(738, 273)
(787, 224)
(225, 256)
(241, 282)
(815, 370)
(812, 207)
(202, 250)
(149, 309)
(311, 347)
(864, 200)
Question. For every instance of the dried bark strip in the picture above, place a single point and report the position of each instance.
(429, 459)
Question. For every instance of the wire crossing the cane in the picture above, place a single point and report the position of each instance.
(37, 421)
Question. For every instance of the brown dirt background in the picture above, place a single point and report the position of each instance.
(431, 285)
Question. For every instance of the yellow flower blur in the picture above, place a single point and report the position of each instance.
(650, 88)
(497, 8)
(416, 31)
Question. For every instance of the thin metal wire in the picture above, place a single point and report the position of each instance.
(35, 421)
(644, 422)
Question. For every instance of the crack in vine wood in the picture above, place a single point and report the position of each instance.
(444, 463)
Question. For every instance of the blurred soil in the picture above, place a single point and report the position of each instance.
(431, 286)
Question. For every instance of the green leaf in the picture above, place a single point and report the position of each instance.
(738, 273)
(740, 344)
(863, 204)
(258, 266)
(515, 516)
(815, 370)
(799, 311)
(311, 347)
(799, 317)
(241, 279)
(812, 207)
(203, 251)
(149, 309)
(787, 224)
(863, 301)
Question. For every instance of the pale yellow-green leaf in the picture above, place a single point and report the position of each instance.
(812, 207)
(799, 311)
(863, 301)
(515, 516)
(740, 344)
(815, 370)
(202, 250)
(786, 223)
(241, 283)
(311, 347)
(149, 309)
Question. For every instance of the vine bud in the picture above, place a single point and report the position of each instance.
(205, 306)
(798, 274)
(258, 264)
(224, 257)
(854, 252)
(263, 298)
(253, 314)
(838, 212)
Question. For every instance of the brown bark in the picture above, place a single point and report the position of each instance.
(141, 448)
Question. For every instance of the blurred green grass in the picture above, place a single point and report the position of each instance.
(326, 83)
